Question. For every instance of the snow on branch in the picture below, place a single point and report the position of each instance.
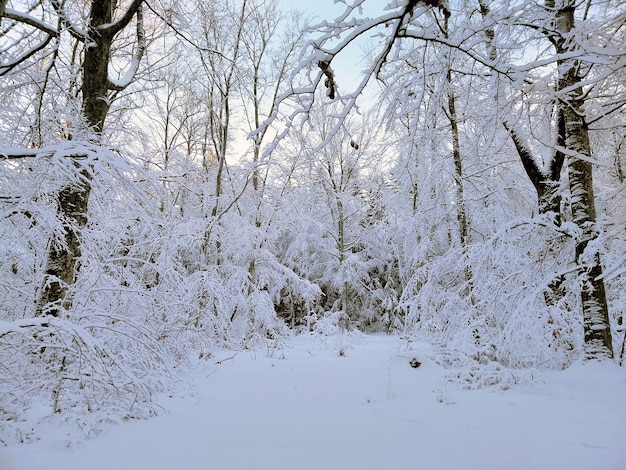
(121, 83)
(69, 149)
(333, 38)
(124, 20)
(20, 326)
(7, 67)
(31, 21)
(106, 162)
(75, 31)
(50, 33)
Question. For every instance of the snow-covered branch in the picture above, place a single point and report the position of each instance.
(73, 29)
(69, 149)
(8, 66)
(26, 19)
(334, 37)
(123, 82)
(115, 27)
(31, 21)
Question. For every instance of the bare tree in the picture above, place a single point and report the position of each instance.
(271, 42)
(105, 21)
(459, 175)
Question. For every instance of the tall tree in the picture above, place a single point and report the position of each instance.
(105, 21)
(97, 34)
(459, 175)
(571, 98)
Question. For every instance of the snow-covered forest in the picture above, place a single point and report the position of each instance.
(179, 178)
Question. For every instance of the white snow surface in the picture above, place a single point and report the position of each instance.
(354, 402)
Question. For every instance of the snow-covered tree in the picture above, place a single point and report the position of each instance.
(564, 58)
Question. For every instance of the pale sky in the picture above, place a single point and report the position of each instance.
(349, 63)
(329, 9)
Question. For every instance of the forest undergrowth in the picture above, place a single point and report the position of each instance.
(181, 178)
(151, 300)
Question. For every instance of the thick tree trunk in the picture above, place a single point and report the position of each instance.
(3, 5)
(63, 259)
(598, 341)
(63, 256)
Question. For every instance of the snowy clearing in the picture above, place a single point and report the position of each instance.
(354, 402)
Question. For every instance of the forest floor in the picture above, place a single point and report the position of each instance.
(354, 402)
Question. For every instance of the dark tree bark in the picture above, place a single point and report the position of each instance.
(545, 181)
(63, 256)
(96, 88)
(63, 260)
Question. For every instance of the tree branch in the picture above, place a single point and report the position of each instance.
(6, 68)
(31, 21)
(530, 165)
(121, 84)
(113, 28)
(76, 33)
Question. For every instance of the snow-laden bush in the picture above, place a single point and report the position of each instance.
(87, 371)
(512, 299)
(97, 361)
(160, 285)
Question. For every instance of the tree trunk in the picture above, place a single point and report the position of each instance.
(63, 256)
(461, 211)
(62, 262)
(461, 207)
(619, 169)
(346, 306)
(598, 341)
(545, 183)
(95, 91)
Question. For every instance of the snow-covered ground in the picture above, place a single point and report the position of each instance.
(354, 402)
